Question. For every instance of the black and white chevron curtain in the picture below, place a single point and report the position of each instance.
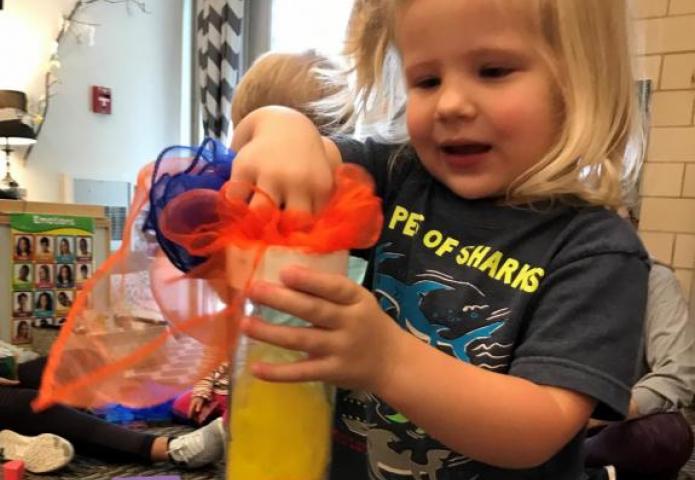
(219, 46)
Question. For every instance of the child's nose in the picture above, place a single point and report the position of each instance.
(454, 104)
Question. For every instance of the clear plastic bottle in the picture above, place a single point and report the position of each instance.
(277, 431)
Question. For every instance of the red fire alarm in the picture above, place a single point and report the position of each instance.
(101, 100)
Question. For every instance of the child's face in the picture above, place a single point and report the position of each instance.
(482, 106)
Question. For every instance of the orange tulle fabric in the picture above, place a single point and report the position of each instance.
(140, 332)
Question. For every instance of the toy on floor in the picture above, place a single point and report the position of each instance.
(13, 470)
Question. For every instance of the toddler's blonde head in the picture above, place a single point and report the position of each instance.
(586, 46)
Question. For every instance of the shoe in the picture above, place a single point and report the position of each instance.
(200, 447)
(40, 454)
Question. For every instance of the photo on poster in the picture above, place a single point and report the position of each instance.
(64, 298)
(43, 322)
(21, 304)
(44, 304)
(23, 275)
(23, 247)
(84, 271)
(65, 249)
(43, 275)
(84, 249)
(44, 249)
(65, 276)
(21, 331)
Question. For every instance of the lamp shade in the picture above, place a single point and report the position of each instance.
(13, 106)
(13, 99)
(14, 132)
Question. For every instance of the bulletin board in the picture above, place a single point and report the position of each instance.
(51, 257)
(15, 279)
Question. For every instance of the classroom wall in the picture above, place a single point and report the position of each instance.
(140, 56)
(667, 57)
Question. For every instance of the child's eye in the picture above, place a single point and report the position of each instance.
(495, 72)
(427, 83)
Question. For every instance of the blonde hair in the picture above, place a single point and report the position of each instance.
(295, 80)
(586, 44)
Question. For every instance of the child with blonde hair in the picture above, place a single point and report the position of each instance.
(296, 80)
(508, 297)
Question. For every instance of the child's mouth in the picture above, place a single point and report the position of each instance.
(466, 149)
(464, 155)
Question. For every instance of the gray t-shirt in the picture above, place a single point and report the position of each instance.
(554, 294)
(668, 383)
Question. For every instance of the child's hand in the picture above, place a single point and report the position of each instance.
(354, 343)
(196, 407)
(281, 152)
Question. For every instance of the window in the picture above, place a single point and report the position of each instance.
(298, 25)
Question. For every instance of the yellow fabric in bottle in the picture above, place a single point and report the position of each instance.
(279, 431)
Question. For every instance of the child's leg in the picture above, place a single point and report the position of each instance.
(655, 446)
(88, 433)
(29, 373)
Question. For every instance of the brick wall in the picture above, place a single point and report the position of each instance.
(666, 55)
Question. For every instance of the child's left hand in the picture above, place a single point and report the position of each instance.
(353, 344)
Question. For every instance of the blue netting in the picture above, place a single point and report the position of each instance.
(115, 413)
(209, 168)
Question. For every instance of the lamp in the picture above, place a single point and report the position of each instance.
(13, 132)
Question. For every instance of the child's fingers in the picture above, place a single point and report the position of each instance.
(300, 202)
(310, 340)
(270, 191)
(317, 311)
(329, 286)
(303, 371)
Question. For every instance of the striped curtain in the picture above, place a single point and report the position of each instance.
(219, 61)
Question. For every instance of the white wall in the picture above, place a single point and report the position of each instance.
(138, 55)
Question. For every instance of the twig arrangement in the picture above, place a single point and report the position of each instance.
(70, 24)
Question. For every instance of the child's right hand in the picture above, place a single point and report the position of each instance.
(280, 151)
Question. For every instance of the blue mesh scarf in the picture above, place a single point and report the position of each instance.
(209, 168)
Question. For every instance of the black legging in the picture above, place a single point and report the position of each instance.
(653, 447)
(90, 435)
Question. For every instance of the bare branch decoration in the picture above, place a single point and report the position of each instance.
(68, 25)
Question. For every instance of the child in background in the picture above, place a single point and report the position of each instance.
(509, 295)
(296, 80)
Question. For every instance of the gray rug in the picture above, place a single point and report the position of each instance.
(85, 468)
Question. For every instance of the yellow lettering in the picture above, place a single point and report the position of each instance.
(492, 262)
(507, 270)
(399, 215)
(447, 246)
(463, 255)
(521, 276)
(433, 238)
(532, 280)
(411, 226)
(477, 256)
